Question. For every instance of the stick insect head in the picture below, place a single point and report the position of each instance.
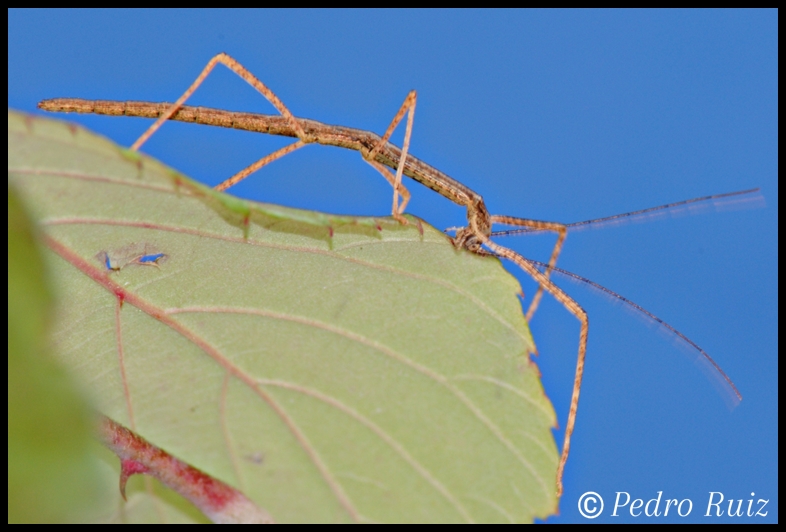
(471, 237)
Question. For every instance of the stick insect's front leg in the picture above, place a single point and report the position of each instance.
(562, 232)
(574, 308)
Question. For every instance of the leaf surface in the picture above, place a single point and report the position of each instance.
(331, 368)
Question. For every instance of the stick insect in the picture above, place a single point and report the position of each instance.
(381, 155)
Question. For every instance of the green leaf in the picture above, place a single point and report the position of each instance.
(332, 368)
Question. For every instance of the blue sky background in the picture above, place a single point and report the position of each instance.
(555, 115)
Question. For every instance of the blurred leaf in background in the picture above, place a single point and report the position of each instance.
(52, 475)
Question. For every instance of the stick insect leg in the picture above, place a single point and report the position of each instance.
(407, 107)
(247, 171)
(562, 232)
(575, 309)
(241, 71)
(390, 178)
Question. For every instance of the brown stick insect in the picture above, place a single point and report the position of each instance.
(381, 154)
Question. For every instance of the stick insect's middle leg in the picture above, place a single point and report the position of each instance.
(407, 107)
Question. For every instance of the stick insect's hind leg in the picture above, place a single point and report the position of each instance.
(241, 71)
(248, 170)
(575, 309)
(562, 232)
(407, 107)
